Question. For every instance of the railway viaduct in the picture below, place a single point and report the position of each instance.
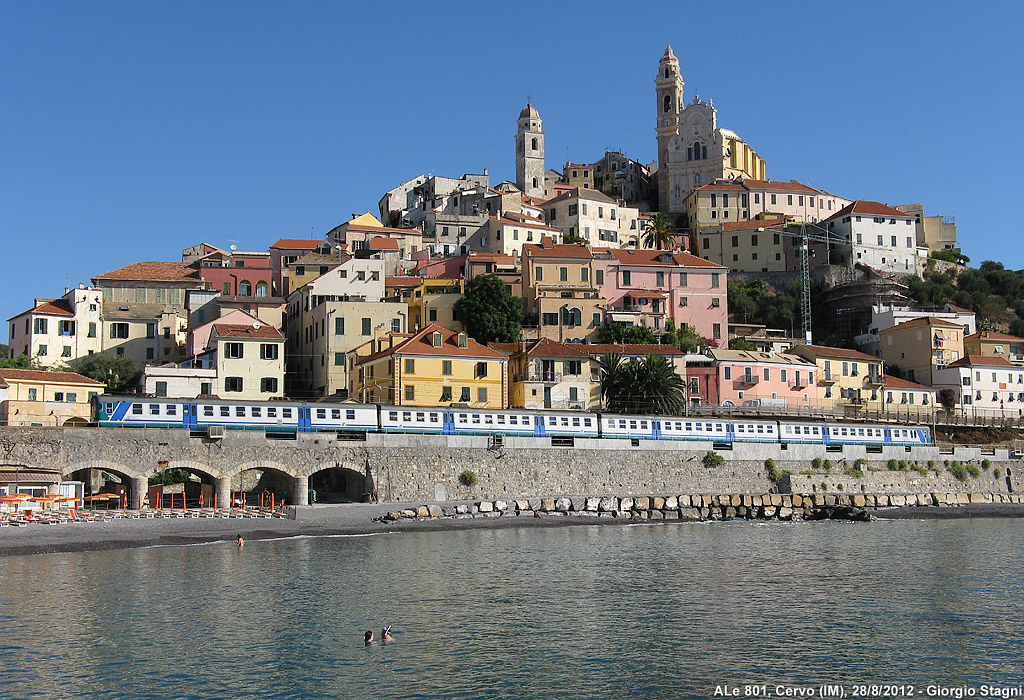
(428, 467)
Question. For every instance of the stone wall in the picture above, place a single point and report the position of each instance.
(409, 468)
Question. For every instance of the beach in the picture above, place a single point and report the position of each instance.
(342, 519)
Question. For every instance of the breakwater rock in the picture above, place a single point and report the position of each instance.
(689, 507)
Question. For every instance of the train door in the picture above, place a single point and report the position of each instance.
(305, 419)
(888, 436)
(448, 425)
(656, 429)
(190, 415)
(539, 427)
(826, 436)
(730, 434)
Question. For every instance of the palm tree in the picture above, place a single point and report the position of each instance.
(610, 367)
(646, 386)
(658, 233)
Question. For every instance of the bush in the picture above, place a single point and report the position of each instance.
(860, 463)
(817, 463)
(824, 486)
(839, 487)
(774, 473)
(894, 465)
(827, 464)
(923, 471)
(973, 471)
(997, 472)
(467, 478)
(713, 460)
(986, 464)
(931, 464)
(854, 472)
(958, 471)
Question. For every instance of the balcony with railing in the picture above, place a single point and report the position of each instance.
(874, 379)
(536, 375)
(827, 378)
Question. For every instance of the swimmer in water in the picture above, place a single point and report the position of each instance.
(240, 542)
(385, 636)
(368, 638)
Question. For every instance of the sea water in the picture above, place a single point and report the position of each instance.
(655, 611)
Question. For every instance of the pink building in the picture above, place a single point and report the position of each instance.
(650, 287)
(771, 379)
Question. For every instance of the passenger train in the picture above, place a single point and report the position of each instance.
(296, 416)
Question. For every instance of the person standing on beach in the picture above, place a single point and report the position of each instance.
(240, 542)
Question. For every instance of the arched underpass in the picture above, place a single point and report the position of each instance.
(338, 484)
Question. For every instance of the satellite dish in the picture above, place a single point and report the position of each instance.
(257, 325)
(233, 247)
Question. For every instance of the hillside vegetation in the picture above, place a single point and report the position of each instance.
(994, 293)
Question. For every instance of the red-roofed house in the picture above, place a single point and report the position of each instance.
(286, 251)
(988, 387)
(34, 397)
(433, 367)
(995, 344)
(906, 398)
(249, 359)
(875, 235)
(546, 374)
(509, 232)
(921, 346)
(650, 287)
(740, 199)
(595, 217)
(558, 285)
(57, 331)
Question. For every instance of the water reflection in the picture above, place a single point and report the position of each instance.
(646, 612)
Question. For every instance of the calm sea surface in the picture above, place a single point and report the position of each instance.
(581, 612)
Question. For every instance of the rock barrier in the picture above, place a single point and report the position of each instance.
(769, 506)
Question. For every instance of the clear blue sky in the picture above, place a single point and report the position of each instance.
(131, 130)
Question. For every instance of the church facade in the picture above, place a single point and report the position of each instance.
(692, 149)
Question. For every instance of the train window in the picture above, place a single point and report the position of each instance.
(154, 409)
(240, 411)
(286, 413)
(335, 414)
(392, 415)
(321, 413)
(225, 411)
(860, 431)
(552, 420)
(137, 409)
(632, 425)
(489, 419)
(576, 422)
(526, 420)
(433, 417)
(208, 411)
(700, 427)
(172, 410)
(565, 421)
(586, 422)
(462, 418)
(643, 425)
(406, 416)
(271, 412)
(513, 420)
(420, 417)
(476, 419)
(350, 414)
(256, 412)
(689, 426)
(501, 419)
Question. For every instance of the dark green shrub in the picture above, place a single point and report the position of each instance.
(973, 471)
(986, 464)
(958, 471)
(894, 465)
(997, 472)
(713, 459)
(467, 478)
(827, 464)
(817, 463)
(854, 472)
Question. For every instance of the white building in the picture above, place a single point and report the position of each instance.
(176, 382)
(878, 236)
(57, 331)
(595, 217)
(987, 387)
(508, 233)
(885, 316)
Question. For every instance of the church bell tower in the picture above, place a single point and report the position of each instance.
(670, 103)
(530, 153)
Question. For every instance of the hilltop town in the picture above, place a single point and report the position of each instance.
(457, 291)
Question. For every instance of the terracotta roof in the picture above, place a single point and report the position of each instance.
(56, 307)
(644, 294)
(868, 208)
(642, 349)
(542, 348)
(477, 256)
(241, 330)
(842, 353)
(981, 361)
(419, 344)
(382, 229)
(647, 256)
(959, 309)
(547, 249)
(296, 244)
(926, 321)
(719, 187)
(381, 243)
(402, 281)
(35, 375)
(756, 356)
(897, 383)
(752, 224)
(153, 271)
(992, 335)
(582, 193)
(531, 221)
(791, 186)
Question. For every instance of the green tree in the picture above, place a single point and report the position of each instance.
(117, 372)
(741, 344)
(947, 399)
(658, 233)
(21, 362)
(4, 351)
(648, 386)
(489, 311)
(629, 335)
(574, 238)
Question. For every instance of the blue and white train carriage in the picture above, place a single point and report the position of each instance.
(295, 416)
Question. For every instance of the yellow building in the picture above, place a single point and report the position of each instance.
(546, 374)
(992, 344)
(558, 284)
(434, 367)
(848, 380)
(249, 360)
(35, 397)
(433, 301)
(903, 398)
(921, 346)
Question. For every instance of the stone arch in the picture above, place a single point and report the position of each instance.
(198, 493)
(94, 474)
(341, 481)
(265, 477)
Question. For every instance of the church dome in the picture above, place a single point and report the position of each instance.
(529, 112)
(669, 57)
